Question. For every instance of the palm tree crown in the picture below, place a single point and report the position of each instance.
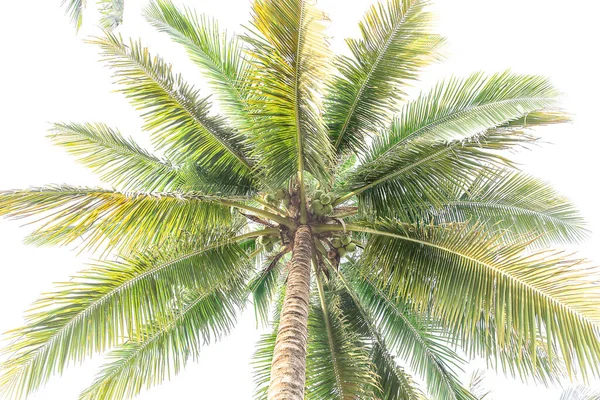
(380, 236)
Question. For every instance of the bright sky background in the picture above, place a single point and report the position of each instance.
(50, 75)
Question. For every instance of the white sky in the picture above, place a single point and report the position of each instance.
(50, 75)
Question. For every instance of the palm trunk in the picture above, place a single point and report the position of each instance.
(288, 370)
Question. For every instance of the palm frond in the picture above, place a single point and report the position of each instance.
(338, 365)
(178, 118)
(394, 382)
(74, 9)
(423, 174)
(395, 45)
(220, 57)
(110, 303)
(112, 13)
(263, 356)
(288, 50)
(460, 108)
(264, 288)
(415, 339)
(114, 220)
(118, 160)
(511, 201)
(580, 392)
(477, 385)
(530, 295)
(168, 343)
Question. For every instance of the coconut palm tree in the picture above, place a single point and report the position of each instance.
(381, 237)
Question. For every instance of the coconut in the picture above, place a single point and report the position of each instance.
(336, 242)
(280, 194)
(350, 247)
(268, 247)
(328, 209)
(270, 198)
(264, 240)
(341, 251)
(318, 194)
(317, 205)
(325, 199)
(346, 240)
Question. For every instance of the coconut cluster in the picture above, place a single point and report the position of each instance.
(279, 197)
(322, 203)
(267, 242)
(343, 245)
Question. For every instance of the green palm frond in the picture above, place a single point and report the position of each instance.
(393, 382)
(114, 220)
(74, 9)
(459, 108)
(511, 201)
(220, 57)
(580, 393)
(530, 295)
(263, 356)
(109, 303)
(264, 287)
(415, 339)
(477, 385)
(395, 45)
(112, 13)
(425, 174)
(168, 343)
(178, 118)
(541, 362)
(289, 52)
(118, 160)
(338, 364)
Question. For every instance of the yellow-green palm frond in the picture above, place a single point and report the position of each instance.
(393, 382)
(263, 356)
(416, 339)
(102, 307)
(511, 201)
(220, 57)
(338, 362)
(264, 287)
(177, 117)
(395, 45)
(458, 108)
(426, 174)
(74, 9)
(114, 220)
(167, 344)
(288, 50)
(118, 160)
(530, 295)
(112, 13)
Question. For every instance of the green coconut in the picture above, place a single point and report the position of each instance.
(325, 199)
(328, 209)
(268, 247)
(280, 194)
(346, 240)
(318, 194)
(350, 247)
(336, 242)
(341, 251)
(317, 205)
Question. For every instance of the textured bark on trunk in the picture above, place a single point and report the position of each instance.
(288, 370)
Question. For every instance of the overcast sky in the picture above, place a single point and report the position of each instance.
(50, 75)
